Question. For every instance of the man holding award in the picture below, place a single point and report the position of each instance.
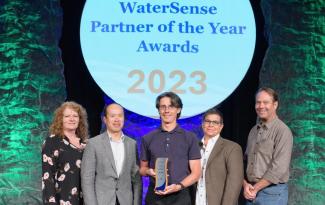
(170, 156)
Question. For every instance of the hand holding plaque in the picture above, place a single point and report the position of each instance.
(161, 174)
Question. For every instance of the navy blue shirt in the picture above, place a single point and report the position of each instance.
(178, 145)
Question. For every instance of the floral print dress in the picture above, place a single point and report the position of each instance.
(61, 171)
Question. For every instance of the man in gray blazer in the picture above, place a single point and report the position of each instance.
(109, 168)
(221, 163)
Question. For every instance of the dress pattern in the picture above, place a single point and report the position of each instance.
(61, 163)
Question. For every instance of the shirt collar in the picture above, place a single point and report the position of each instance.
(111, 139)
(176, 129)
(267, 125)
(213, 139)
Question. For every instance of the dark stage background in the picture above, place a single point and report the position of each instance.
(238, 108)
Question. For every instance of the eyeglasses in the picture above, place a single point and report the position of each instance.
(164, 107)
(209, 122)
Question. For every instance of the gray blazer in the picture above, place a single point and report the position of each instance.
(99, 180)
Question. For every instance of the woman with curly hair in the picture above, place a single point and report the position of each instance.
(62, 154)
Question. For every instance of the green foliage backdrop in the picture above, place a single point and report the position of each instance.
(31, 86)
(295, 66)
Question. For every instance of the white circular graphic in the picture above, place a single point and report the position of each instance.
(136, 50)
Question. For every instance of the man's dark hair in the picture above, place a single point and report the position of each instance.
(269, 91)
(174, 99)
(107, 105)
(213, 111)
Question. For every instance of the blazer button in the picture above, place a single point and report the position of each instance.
(116, 188)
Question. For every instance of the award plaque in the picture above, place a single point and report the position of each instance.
(161, 174)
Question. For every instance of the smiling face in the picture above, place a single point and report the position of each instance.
(70, 120)
(265, 106)
(114, 118)
(168, 112)
(212, 125)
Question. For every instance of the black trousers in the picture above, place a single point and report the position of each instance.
(182, 197)
(117, 202)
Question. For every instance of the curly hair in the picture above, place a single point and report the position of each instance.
(56, 128)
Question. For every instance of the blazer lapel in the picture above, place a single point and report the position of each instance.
(216, 149)
(108, 151)
(127, 154)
